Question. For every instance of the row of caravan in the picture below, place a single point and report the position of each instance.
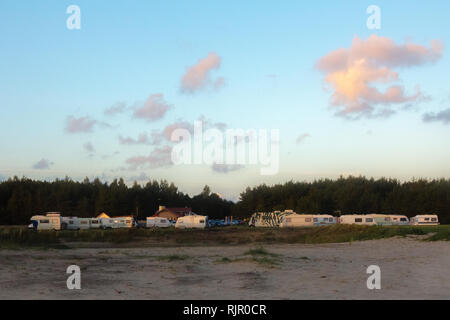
(54, 221)
(289, 218)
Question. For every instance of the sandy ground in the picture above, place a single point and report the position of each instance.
(410, 269)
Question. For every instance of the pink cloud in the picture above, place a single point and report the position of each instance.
(302, 138)
(79, 125)
(153, 109)
(115, 109)
(159, 157)
(197, 77)
(354, 73)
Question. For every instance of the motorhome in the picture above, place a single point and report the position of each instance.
(324, 219)
(51, 221)
(192, 221)
(157, 222)
(399, 220)
(297, 220)
(425, 219)
(358, 219)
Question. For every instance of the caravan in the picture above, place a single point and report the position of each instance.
(192, 221)
(427, 219)
(297, 220)
(158, 222)
(51, 221)
(75, 223)
(324, 219)
(359, 219)
(398, 220)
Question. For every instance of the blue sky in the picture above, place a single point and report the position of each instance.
(128, 51)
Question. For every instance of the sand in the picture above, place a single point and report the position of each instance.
(410, 269)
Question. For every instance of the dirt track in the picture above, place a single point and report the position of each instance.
(410, 269)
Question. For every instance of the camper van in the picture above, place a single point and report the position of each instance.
(157, 222)
(324, 219)
(426, 219)
(358, 219)
(297, 220)
(398, 220)
(192, 221)
(51, 221)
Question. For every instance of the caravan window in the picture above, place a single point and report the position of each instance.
(433, 219)
(202, 221)
(403, 219)
(44, 221)
(427, 219)
(358, 220)
(83, 222)
(315, 219)
(94, 221)
(369, 220)
(70, 221)
(308, 220)
(387, 219)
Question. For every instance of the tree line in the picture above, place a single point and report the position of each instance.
(22, 198)
(351, 195)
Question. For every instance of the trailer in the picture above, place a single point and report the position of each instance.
(425, 219)
(157, 222)
(50, 221)
(399, 220)
(192, 221)
(324, 220)
(95, 223)
(297, 220)
(268, 219)
(358, 219)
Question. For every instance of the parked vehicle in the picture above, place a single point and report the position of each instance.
(157, 222)
(95, 223)
(297, 220)
(51, 221)
(398, 220)
(324, 220)
(192, 221)
(125, 222)
(425, 219)
(109, 223)
(359, 219)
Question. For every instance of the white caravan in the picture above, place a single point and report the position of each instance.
(297, 220)
(359, 219)
(51, 221)
(158, 222)
(192, 221)
(109, 223)
(95, 223)
(124, 222)
(75, 223)
(324, 219)
(426, 219)
(399, 220)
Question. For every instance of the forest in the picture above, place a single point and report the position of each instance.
(22, 198)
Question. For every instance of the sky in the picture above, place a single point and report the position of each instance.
(102, 100)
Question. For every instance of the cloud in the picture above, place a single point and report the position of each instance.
(153, 109)
(302, 138)
(197, 77)
(42, 164)
(226, 168)
(89, 147)
(154, 139)
(116, 108)
(141, 177)
(159, 157)
(353, 73)
(79, 125)
(442, 116)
